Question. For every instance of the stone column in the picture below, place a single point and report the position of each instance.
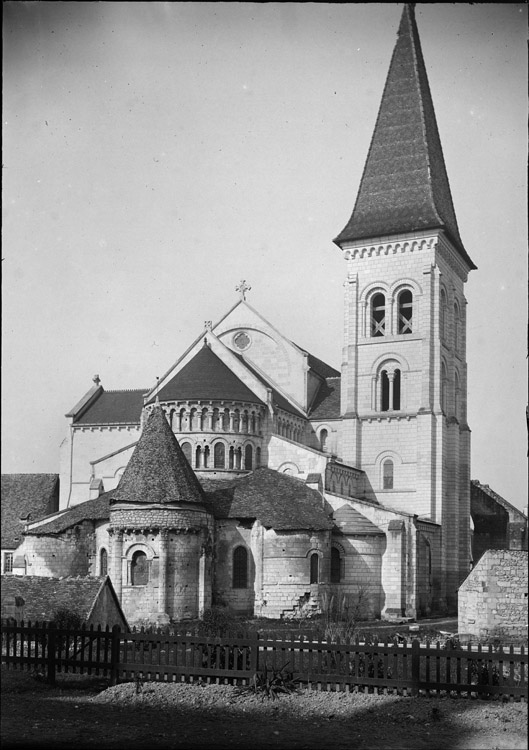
(204, 579)
(394, 571)
(117, 562)
(162, 573)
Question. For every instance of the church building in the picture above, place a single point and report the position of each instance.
(254, 474)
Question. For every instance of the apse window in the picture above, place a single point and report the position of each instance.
(336, 565)
(314, 568)
(240, 568)
(103, 562)
(139, 569)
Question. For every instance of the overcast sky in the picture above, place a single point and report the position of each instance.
(155, 154)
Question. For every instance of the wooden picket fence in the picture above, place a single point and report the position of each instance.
(409, 668)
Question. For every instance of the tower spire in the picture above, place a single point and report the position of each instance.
(404, 187)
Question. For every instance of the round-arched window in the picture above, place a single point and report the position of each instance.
(139, 569)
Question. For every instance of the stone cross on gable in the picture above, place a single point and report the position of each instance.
(243, 288)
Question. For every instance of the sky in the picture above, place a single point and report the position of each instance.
(155, 154)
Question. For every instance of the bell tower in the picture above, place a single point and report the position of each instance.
(404, 373)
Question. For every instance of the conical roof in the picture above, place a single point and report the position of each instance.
(404, 187)
(206, 377)
(158, 471)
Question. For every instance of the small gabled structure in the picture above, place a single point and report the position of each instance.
(39, 598)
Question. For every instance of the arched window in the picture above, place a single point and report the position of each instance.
(244, 427)
(139, 569)
(203, 419)
(405, 312)
(173, 421)
(206, 457)
(336, 565)
(457, 396)
(186, 450)
(442, 315)
(219, 454)
(238, 458)
(314, 568)
(387, 474)
(103, 562)
(257, 458)
(323, 440)
(240, 568)
(231, 459)
(378, 315)
(181, 420)
(252, 423)
(198, 456)
(457, 322)
(248, 457)
(193, 419)
(236, 421)
(390, 390)
(226, 420)
(215, 420)
(444, 387)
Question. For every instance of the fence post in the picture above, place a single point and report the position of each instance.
(254, 653)
(415, 666)
(114, 654)
(52, 652)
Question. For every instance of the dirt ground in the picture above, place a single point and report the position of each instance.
(83, 712)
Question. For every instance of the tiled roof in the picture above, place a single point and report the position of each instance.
(404, 187)
(279, 501)
(23, 494)
(320, 367)
(96, 509)
(206, 377)
(349, 521)
(44, 596)
(326, 404)
(158, 471)
(514, 513)
(114, 407)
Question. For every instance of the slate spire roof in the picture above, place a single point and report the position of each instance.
(206, 377)
(158, 471)
(404, 187)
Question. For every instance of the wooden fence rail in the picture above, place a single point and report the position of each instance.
(163, 655)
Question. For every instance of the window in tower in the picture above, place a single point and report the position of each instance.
(186, 450)
(405, 311)
(219, 456)
(442, 318)
(378, 315)
(444, 387)
(390, 390)
(323, 439)
(387, 474)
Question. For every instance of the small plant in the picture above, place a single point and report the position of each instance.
(270, 683)
(217, 621)
(342, 614)
(67, 618)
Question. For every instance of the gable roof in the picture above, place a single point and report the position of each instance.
(97, 509)
(23, 495)
(113, 407)
(279, 501)
(515, 514)
(327, 402)
(349, 521)
(404, 187)
(158, 471)
(206, 377)
(44, 596)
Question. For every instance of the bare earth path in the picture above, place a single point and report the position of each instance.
(80, 713)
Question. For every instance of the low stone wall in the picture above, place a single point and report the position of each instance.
(493, 597)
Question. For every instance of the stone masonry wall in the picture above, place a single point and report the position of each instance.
(493, 598)
(68, 554)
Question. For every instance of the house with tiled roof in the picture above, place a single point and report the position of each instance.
(254, 473)
(25, 498)
(40, 599)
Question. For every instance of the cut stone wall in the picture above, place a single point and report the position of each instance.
(493, 598)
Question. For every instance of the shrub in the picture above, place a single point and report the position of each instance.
(270, 683)
(67, 618)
